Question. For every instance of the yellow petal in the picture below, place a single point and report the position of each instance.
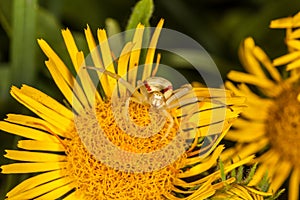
(260, 193)
(48, 101)
(259, 174)
(36, 123)
(216, 175)
(288, 22)
(61, 83)
(34, 181)
(240, 192)
(248, 135)
(263, 58)
(61, 75)
(56, 193)
(199, 168)
(135, 54)
(251, 79)
(78, 61)
(75, 196)
(33, 156)
(93, 48)
(283, 170)
(90, 93)
(269, 157)
(107, 61)
(26, 132)
(249, 149)
(41, 189)
(282, 60)
(294, 44)
(123, 65)
(293, 65)
(16, 168)
(294, 184)
(41, 145)
(151, 50)
(63, 70)
(249, 60)
(282, 23)
(71, 47)
(37, 106)
(294, 34)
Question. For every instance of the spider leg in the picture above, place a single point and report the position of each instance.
(128, 86)
(177, 94)
(143, 89)
(170, 118)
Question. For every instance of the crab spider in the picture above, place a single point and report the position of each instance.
(155, 91)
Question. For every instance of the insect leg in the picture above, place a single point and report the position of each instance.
(183, 90)
(128, 86)
(170, 118)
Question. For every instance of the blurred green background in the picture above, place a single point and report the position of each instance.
(218, 25)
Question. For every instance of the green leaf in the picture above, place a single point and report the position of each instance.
(240, 174)
(264, 182)
(141, 13)
(4, 83)
(112, 27)
(251, 174)
(5, 7)
(23, 43)
(222, 170)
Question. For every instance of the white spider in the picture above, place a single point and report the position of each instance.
(155, 91)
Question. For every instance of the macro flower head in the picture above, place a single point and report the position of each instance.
(270, 126)
(121, 137)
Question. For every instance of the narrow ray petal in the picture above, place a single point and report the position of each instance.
(41, 189)
(295, 44)
(93, 48)
(107, 60)
(263, 58)
(31, 167)
(41, 145)
(294, 184)
(26, 132)
(35, 181)
(135, 54)
(123, 65)
(151, 50)
(249, 60)
(251, 79)
(282, 60)
(47, 101)
(203, 166)
(61, 83)
(52, 116)
(37, 123)
(71, 47)
(56, 193)
(74, 196)
(34, 156)
(63, 70)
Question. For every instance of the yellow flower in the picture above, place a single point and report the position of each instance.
(291, 59)
(67, 145)
(270, 125)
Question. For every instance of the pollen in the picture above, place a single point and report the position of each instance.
(283, 125)
(112, 177)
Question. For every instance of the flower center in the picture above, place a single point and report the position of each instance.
(96, 180)
(283, 125)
